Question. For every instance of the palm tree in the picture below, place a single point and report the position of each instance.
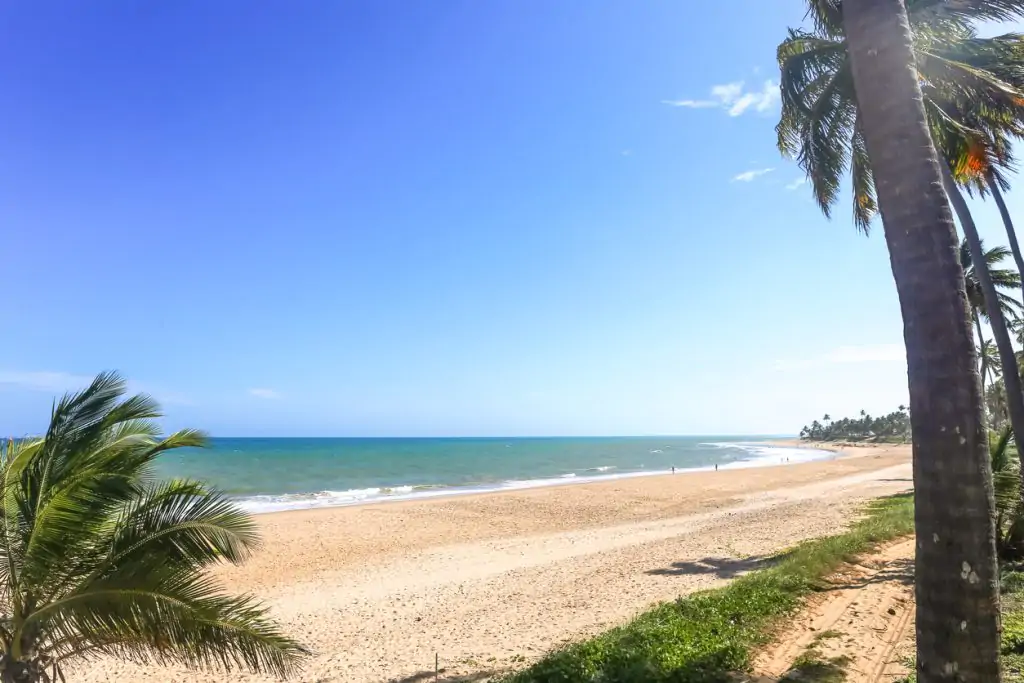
(1002, 279)
(990, 368)
(973, 101)
(1005, 474)
(972, 134)
(993, 307)
(98, 558)
(885, 131)
(995, 403)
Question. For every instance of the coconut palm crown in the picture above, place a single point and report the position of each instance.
(98, 557)
(972, 90)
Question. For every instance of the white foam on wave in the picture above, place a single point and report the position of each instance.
(305, 501)
(750, 455)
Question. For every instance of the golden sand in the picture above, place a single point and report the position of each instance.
(485, 581)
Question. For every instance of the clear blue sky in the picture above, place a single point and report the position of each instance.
(453, 217)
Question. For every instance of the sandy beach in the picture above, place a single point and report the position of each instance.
(490, 582)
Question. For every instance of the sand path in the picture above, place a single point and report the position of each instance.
(865, 624)
(490, 581)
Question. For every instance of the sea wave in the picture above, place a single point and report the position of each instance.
(754, 454)
(746, 455)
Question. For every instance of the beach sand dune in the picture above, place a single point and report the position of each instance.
(489, 582)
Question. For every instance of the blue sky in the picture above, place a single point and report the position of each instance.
(391, 218)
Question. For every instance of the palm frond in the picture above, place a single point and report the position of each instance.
(999, 449)
(96, 557)
(931, 11)
(817, 123)
(973, 90)
(180, 522)
(172, 622)
(865, 204)
(826, 15)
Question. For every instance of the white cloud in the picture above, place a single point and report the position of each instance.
(693, 104)
(747, 176)
(264, 393)
(627, 152)
(867, 353)
(729, 92)
(734, 99)
(796, 183)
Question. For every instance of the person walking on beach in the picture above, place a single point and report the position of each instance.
(673, 469)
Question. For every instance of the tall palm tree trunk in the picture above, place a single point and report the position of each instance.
(956, 580)
(1011, 234)
(981, 352)
(1007, 358)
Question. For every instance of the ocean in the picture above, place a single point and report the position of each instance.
(268, 475)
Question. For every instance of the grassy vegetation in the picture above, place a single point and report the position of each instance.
(706, 637)
(812, 666)
(1012, 595)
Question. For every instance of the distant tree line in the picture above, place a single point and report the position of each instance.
(892, 427)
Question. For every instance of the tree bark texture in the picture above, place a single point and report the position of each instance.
(956, 579)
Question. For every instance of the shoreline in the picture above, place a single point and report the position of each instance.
(274, 504)
(492, 581)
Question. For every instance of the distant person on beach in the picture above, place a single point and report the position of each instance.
(716, 467)
(673, 469)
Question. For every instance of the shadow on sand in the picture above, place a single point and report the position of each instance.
(721, 567)
(442, 677)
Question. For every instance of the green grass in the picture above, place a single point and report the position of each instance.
(1012, 598)
(706, 637)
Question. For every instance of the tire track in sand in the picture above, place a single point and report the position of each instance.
(865, 620)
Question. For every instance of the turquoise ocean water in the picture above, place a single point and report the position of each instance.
(267, 475)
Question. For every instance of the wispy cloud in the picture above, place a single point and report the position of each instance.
(734, 98)
(269, 394)
(747, 176)
(867, 353)
(693, 104)
(56, 382)
(796, 183)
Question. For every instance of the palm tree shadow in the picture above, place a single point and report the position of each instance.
(721, 567)
(442, 677)
(809, 672)
(901, 571)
